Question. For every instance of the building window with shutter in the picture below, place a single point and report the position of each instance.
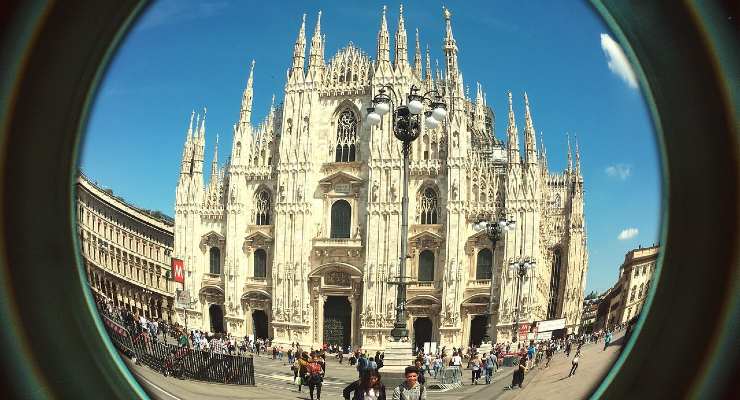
(260, 263)
(484, 265)
(426, 266)
(215, 254)
(341, 219)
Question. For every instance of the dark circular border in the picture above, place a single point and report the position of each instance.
(52, 58)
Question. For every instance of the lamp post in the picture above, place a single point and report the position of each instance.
(187, 303)
(495, 231)
(406, 124)
(520, 268)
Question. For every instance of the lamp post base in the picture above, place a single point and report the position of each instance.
(397, 356)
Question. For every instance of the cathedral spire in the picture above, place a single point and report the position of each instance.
(214, 162)
(450, 47)
(400, 55)
(543, 152)
(383, 55)
(246, 110)
(428, 72)
(512, 135)
(417, 56)
(316, 54)
(187, 152)
(570, 158)
(299, 49)
(530, 139)
(189, 136)
(578, 159)
(437, 71)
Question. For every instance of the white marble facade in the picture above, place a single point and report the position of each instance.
(307, 209)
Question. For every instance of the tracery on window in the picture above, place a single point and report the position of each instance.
(346, 136)
(262, 201)
(428, 207)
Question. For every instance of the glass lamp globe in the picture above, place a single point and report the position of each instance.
(382, 108)
(479, 226)
(415, 107)
(431, 123)
(373, 118)
(439, 114)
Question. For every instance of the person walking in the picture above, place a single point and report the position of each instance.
(518, 377)
(607, 340)
(302, 365)
(575, 364)
(361, 364)
(410, 389)
(475, 366)
(369, 387)
(315, 376)
(490, 364)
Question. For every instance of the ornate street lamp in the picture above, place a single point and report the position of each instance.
(495, 231)
(520, 268)
(406, 123)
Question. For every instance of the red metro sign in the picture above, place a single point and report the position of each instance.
(178, 270)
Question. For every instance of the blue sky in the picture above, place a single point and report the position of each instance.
(183, 55)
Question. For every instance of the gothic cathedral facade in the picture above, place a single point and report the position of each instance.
(297, 236)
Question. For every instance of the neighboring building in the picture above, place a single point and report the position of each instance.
(126, 251)
(297, 236)
(590, 310)
(626, 298)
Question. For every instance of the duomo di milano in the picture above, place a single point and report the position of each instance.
(298, 235)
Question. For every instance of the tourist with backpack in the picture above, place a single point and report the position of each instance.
(315, 376)
(361, 365)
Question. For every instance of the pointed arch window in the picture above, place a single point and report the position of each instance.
(341, 219)
(260, 263)
(426, 266)
(215, 256)
(262, 200)
(346, 136)
(484, 265)
(428, 207)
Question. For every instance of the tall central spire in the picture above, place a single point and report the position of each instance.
(450, 47)
(400, 55)
(246, 111)
(383, 41)
(428, 72)
(299, 50)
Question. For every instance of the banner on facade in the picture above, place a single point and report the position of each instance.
(183, 298)
(178, 270)
(551, 325)
(544, 335)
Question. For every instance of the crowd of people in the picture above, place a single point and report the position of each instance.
(308, 366)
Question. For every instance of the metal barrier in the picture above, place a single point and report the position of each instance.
(180, 362)
(449, 375)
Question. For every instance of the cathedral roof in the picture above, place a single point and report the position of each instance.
(349, 54)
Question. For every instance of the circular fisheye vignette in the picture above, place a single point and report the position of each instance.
(126, 376)
(717, 41)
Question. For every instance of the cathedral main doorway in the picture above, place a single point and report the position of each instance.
(422, 331)
(217, 318)
(337, 320)
(477, 330)
(259, 322)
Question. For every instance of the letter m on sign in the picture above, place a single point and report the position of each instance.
(178, 271)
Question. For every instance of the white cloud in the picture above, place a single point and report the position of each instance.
(619, 171)
(617, 61)
(628, 233)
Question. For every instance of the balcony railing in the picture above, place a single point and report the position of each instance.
(212, 279)
(348, 243)
(422, 285)
(479, 283)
